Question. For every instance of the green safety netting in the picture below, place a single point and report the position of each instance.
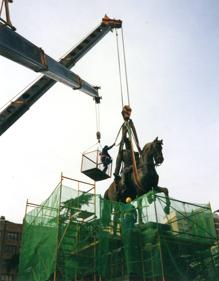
(76, 235)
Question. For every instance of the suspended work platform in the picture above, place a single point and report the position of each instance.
(77, 235)
(92, 166)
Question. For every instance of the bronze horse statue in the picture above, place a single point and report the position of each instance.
(147, 177)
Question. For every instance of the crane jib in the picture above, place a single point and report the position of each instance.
(22, 51)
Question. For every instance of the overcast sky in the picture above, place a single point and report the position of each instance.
(172, 53)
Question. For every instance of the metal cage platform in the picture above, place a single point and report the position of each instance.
(92, 166)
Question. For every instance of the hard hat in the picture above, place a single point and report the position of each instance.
(128, 199)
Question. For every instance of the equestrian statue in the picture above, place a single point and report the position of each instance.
(138, 174)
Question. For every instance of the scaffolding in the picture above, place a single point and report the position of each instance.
(78, 236)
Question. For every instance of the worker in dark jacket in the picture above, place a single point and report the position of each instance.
(106, 159)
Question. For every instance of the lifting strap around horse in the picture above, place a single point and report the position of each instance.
(134, 166)
(118, 134)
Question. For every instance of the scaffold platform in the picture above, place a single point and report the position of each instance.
(76, 235)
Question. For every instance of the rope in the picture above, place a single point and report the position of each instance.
(126, 75)
(119, 65)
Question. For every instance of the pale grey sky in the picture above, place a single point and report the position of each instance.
(173, 63)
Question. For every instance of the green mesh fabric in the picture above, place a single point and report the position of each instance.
(80, 236)
(39, 239)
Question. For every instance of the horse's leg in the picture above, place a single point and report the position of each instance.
(110, 195)
(139, 208)
(166, 193)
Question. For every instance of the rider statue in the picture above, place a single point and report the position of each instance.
(124, 155)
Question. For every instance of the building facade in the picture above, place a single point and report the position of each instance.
(10, 240)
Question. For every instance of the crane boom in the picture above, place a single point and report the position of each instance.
(17, 48)
(10, 114)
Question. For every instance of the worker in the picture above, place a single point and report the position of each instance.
(129, 218)
(130, 214)
(106, 159)
(125, 155)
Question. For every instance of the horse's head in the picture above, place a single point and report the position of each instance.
(153, 152)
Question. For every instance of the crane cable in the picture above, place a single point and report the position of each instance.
(97, 108)
(125, 68)
(98, 134)
(119, 67)
(134, 164)
(97, 112)
(1, 8)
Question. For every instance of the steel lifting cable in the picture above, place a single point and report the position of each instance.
(129, 129)
(135, 171)
(125, 67)
(120, 75)
(98, 134)
(126, 77)
(1, 8)
(97, 112)
(7, 19)
(119, 66)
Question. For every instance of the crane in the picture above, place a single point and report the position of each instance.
(15, 47)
